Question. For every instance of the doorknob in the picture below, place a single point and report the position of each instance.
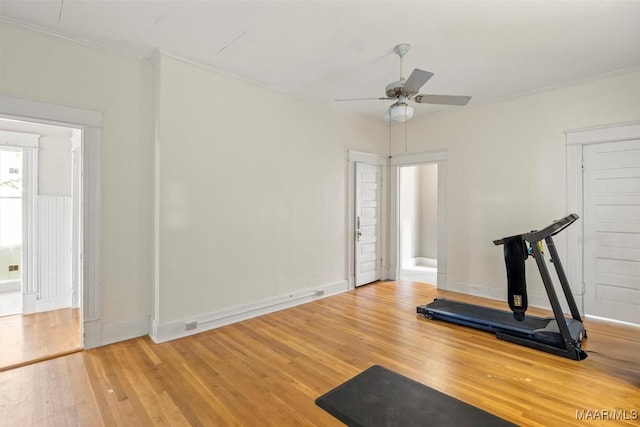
(358, 234)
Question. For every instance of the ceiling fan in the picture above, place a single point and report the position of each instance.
(404, 90)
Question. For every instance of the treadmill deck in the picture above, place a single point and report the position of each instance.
(486, 318)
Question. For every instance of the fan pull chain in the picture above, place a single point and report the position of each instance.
(405, 128)
(389, 134)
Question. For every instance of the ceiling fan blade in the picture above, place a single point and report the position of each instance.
(442, 99)
(361, 99)
(415, 81)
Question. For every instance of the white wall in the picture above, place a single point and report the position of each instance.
(506, 170)
(251, 183)
(252, 188)
(54, 165)
(44, 68)
(410, 212)
(429, 211)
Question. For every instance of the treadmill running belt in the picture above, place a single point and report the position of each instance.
(486, 315)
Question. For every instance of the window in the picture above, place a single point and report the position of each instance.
(10, 198)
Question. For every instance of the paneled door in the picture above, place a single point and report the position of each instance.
(612, 230)
(367, 210)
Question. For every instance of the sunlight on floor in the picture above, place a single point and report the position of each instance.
(419, 273)
(10, 303)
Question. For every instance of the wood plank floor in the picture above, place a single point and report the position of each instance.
(270, 369)
(34, 337)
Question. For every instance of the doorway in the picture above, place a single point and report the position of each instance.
(11, 213)
(603, 177)
(368, 259)
(611, 224)
(40, 203)
(432, 179)
(418, 215)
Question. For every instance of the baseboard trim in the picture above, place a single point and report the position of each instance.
(441, 280)
(611, 321)
(124, 330)
(420, 262)
(98, 333)
(13, 285)
(57, 303)
(92, 334)
(476, 290)
(29, 304)
(534, 300)
(160, 333)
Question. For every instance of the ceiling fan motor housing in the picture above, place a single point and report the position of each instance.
(394, 89)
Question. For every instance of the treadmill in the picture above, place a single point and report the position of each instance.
(557, 335)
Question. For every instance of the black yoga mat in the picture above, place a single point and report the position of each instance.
(381, 397)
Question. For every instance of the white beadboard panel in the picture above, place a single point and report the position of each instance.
(53, 253)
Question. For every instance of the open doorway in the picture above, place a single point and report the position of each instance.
(418, 221)
(418, 241)
(40, 241)
(11, 209)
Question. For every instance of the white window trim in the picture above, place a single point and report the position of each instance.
(19, 139)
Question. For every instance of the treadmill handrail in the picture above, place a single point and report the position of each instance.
(550, 230)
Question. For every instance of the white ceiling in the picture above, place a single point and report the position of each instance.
(323, 50)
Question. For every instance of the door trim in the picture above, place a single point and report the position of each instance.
(417, 159)
(91, 124)
(575, 141)
(374, 160)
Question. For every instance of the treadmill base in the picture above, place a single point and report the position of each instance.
(534, 332)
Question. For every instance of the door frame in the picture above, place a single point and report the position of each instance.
(575, 141)
(418, 159)
(90, 123)
(374, 160)
(76, 215)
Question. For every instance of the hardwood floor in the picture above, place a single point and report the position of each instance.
(270, 369)
(34, 337)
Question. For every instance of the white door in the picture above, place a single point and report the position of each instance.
(367, 223)
(612, 230)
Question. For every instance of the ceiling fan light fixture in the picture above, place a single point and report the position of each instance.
(401, 112)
